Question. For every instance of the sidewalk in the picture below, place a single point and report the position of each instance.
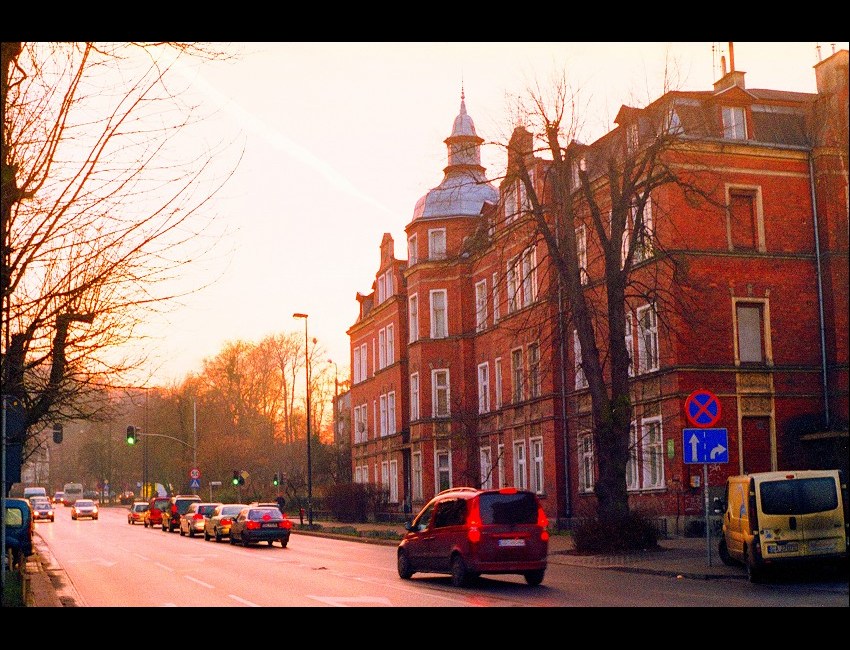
(680, 557)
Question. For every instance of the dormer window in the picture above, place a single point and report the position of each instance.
(734, 123)
(579, 165)
(632, 139)
(437, 244)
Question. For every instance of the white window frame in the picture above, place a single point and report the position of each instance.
(438, 386)
(580, 377)
(391, 420)
(747, 330)
(383, 408)
(537, 480)
(364, 361)
(496, 311)
(385, 474)
(416, 470)
(535, 386)
(413, 317)
(481, 305)
(585, 463)
(581, 249)
(484, 387)
(442, 468)
(485, 457)
(652, 444)
(520, 465)
(382, 348)
(632, 465)
(390, 355)
(500, 464)
(438, 332)
(437, 244)
(414, 396)
(393, 481)
(497, 372)
(630, 343)
(734, 122)
(647, 339)
(412, 253)
(517, 376)
(356, 352)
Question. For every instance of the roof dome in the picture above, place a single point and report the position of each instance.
(465, 188)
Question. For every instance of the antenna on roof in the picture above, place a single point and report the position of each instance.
(817, 49)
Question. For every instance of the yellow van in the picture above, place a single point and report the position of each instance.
(777, 518)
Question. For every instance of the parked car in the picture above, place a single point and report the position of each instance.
(83, 508)
(136, 514)
(42, 509)
(153, 515)
(19, 529)
(58, 497)
(192, 521)
(217, 525)
(178, 505)
(260, 524)
(466, 532)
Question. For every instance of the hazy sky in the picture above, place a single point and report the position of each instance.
(342, 139)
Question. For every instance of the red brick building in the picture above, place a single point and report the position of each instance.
(464, 364)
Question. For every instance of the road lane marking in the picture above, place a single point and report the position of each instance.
(242, 600)
(344, 601)
(198, 582)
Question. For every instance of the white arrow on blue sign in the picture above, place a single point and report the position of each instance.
(195, 484)
(706, 445)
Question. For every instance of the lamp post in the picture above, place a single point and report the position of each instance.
(336, 419)
(309, 456)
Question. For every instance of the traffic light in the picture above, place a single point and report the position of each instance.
(276, 479)
(57, 434)
(131, 435)
(236, 477)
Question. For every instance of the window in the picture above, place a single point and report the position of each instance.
(413, 317)
(383, 402)
(750, 332)
(357, 377)
(585, 456)
(743, 226)
(443, 470)
(484, 388)
(381, 289)
(437, 244)
(500, 461)
(647, 339)
(486, 463)
(511, 209)
(632, 482)
(412, 257)
(360, 427)
(579, 165)
(382, 347)
(391, 425)
(363, 362)
(653, 454)
(414, 396)
(537, 465)
(440, 396)
(632, 139)
(497, 368)
(630, 345)
(581, 378)
(734, 123)
(517, 374)
(496, 314)
(644, 237)
(416, 464)
(393, 481)
(534, 369)
(520, 481)
(522, 280)
(385, 474)
(480, 305)
(439, 324)
(581, 249)
(385, 286)
(390, 345)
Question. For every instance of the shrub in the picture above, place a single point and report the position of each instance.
(348, 502)
(635, 532)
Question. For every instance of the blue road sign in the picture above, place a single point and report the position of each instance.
(706, 445)
(195, 484)
(702, 408)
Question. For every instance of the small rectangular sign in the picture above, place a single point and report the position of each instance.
(705, 445)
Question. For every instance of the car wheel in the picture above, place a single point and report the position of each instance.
(232, 540)
(271, 542)
(283, 543)
(145, 523)
(94, 518)
(182, 534)
(754, 572)
(459, 572)
(206, 535)
(217, 535)
(724, 554)
(534, 578)
(405, 568)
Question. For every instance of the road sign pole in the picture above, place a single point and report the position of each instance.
(707, 520)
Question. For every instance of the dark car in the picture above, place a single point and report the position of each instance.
(466, 532)
(177, 507)
(42, 509)
(153, 515)
(192, 521)
(260, 524)
(217, 525)
(19, 529)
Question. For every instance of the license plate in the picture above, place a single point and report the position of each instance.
(789, 547)
(511, 542)
(270, 525)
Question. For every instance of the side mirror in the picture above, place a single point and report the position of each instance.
(719, 507)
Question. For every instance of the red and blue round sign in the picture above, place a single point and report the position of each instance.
(702, 408)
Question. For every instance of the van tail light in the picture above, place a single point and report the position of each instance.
(473, 522)
(252, 525)
(543, 522)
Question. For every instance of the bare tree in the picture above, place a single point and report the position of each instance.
(103, 204)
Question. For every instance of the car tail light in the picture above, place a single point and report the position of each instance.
(252, 525)
(284, 523)
(197, 516)
(543, 522)
(225, 522)
(173, 509)
(473, 522)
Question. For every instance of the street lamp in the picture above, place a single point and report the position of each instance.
(309, 456)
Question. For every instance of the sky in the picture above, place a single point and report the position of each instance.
(342, 139)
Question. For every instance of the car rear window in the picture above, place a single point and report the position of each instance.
(508, 509)
(264, 514)
(802, 496)
(206, 510)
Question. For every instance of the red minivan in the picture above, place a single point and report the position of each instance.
(153, 515)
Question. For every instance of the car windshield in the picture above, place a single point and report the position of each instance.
(264, 514)
(500, 508)
(83, 503)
